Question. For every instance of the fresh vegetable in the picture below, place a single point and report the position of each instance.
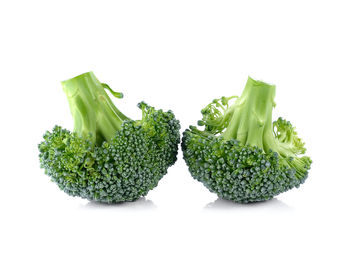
(242, 155)
(108, 157)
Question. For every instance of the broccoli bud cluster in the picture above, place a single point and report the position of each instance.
(241, 155)
(235, 172)
(124, 169)
(89, 164)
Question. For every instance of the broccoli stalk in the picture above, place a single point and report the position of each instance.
(252, 114)
(93, 111)
(251, 124)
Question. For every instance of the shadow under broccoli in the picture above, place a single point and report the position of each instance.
(241, 155)
(109, 157)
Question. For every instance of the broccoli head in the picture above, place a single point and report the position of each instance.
(108, 157)
(242, 155)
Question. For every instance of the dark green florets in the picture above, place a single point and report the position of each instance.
(241, 155)
(235, 172)
(124, 168)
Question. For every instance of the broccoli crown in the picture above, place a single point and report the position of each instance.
(241, 155)
(108, 157)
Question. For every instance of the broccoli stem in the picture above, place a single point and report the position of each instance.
(251, 124)
(252, 114)
(93, 111)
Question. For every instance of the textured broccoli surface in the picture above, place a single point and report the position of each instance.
(108, 157)
(241, 155)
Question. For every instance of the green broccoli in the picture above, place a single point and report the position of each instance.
(242, 155)
(109, 157)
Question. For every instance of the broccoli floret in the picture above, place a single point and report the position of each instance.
(108, 157)
(241, 155)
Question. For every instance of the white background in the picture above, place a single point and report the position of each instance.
(175, 55)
